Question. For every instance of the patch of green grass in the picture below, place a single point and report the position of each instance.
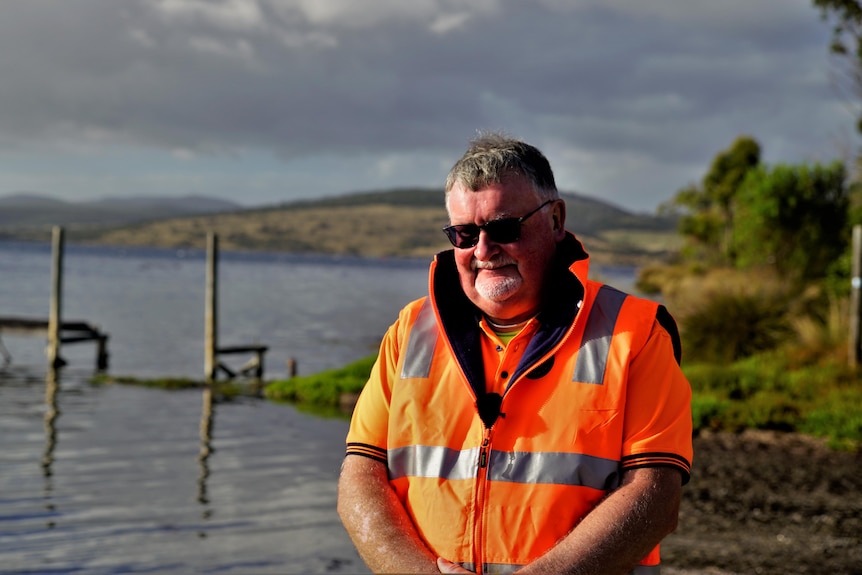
(838, 417)
(225, 390)
(770, 391)
(323, 389)
(159, 382)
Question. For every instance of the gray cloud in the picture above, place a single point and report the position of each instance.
(630, 100)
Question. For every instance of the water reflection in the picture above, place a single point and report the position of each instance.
(111, 479)
(207, 416)
(52, 413)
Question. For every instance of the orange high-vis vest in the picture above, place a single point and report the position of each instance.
(597, 392)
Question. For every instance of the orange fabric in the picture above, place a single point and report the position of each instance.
(503, 357)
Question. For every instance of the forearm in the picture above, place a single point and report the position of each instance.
(621, 530)
(377, 522)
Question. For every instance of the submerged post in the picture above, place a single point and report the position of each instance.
(56, 306)
(211, 318)
(856, 298)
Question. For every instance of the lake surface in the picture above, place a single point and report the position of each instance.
(108, 479)
(321, 311)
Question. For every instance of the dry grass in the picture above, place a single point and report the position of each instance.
(655, 243)
(372, 230)
(732, 312)
(686, 292)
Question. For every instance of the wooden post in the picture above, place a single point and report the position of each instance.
(102, 353)
(854, 355)
(56, 307)
(211, 318)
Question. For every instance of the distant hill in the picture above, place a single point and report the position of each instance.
(584, 214)
(392, 223)
(33, 210)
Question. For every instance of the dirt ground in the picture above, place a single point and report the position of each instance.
(768, 503)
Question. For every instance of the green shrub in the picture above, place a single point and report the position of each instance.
(707, 377)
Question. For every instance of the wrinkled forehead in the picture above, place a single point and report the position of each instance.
(513, 190)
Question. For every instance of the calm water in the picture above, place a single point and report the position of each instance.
(121, 479)
(116, 479)
(322, 311)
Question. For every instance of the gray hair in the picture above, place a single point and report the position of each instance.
(491, 157)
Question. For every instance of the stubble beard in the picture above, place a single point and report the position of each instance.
(496, 289)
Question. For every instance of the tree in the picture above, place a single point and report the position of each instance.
(846, 41)
(722, 181)
(708, 210)
(792, 218)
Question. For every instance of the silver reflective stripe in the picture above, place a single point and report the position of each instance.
(647, 570)
(596, 343)
(421, 343)
(507, 568)
(504, 568)
(432, 461)
(511, 467)
(554, 467)
(501, 568)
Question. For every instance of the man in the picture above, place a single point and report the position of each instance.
(520, 417)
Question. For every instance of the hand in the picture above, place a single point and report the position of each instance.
(446, 566)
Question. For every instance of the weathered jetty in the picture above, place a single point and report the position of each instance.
(70, 332)
(58, 332)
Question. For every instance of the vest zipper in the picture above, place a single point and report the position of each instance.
(483, 454)
(481, 497)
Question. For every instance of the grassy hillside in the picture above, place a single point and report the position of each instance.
(391, 223)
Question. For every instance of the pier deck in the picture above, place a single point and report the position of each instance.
(70, 332)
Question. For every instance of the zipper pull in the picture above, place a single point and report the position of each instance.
(483, 454)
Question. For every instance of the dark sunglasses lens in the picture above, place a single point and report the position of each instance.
(503, 231)
(463, 236)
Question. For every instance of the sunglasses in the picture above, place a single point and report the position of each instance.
(502, 231)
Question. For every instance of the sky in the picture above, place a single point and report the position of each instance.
(269, 101)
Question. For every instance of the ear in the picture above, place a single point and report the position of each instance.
(559, 218)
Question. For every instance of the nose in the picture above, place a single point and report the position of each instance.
(486, 247)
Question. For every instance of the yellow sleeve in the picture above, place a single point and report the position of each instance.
(369, 426)
(658, 424)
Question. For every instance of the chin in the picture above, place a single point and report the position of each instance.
(498, 291)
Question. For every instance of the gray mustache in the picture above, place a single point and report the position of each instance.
(490, 265)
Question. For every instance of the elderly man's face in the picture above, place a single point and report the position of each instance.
(506, 280)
